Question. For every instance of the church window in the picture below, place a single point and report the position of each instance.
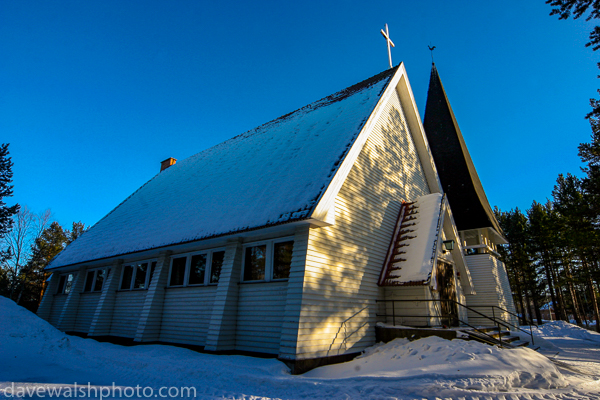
(282, 259)
(217, 263)
(195, 269)
(138, 275)
(268, 261)
(177, 271)
(254, 263)
(64, 284)
(95, 278)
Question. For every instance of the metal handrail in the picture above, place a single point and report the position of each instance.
(531, 322)
(492, 340)
(530, 333)
(496, 321)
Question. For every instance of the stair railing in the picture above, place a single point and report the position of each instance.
(499, 323)
(530, 333)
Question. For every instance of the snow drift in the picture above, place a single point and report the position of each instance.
(465, 360)
(36, 354)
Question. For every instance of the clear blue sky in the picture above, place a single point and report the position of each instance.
(94, 94)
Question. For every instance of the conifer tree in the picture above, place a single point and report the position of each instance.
(582, 240)
(33, 277)
(6, 190)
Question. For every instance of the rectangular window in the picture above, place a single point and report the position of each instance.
(68, 284)
(178, 271)
(197, 270)
(89, 281)
(268, 261)
(141, 272)
(61, 284)
(282, 259)
(101, 276)
(217, 264)
(255, 262)
(94, 279)
(137, 276)
(127, 276)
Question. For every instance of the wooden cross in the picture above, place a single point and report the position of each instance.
(386, 35)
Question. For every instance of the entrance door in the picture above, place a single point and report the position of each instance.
(447, 291)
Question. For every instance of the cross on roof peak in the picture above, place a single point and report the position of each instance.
(386, 35)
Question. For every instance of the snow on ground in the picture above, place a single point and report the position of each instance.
(36, 356)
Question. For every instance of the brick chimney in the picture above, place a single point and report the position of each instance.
(167, 163)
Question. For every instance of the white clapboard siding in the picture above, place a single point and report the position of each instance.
(127, 311)
(344, 260)
(86, 310)
(491, 289)
(412, 310)
(186, 314)
(261, 308)
(57, 307)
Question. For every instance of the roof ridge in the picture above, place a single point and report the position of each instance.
(315, 105)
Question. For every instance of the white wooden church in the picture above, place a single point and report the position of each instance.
(285, 239)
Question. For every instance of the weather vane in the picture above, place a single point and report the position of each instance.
(386, 35)
(431, 48)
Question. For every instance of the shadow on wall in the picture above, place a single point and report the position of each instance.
(344, 261)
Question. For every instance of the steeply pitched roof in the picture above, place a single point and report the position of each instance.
(273, 174)
(456, 170)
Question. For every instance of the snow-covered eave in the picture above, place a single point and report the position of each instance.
(399, 84)
(182, 247)
(457, 253)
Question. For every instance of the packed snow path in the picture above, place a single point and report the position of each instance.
(35, 356)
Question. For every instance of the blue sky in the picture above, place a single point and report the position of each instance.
(94, 94)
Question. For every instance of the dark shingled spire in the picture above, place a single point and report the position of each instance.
(457, 173)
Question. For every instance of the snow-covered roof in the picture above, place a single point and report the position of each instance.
(273, 174)
(413, 251)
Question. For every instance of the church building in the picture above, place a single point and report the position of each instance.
(288, 239)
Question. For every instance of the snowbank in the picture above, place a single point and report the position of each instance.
(461, 359)
(34, 354)
(564, 329)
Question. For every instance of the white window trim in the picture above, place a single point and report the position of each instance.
(188, 264)
(134, 264)
(95, 270)
(66, 275)
(269, 258)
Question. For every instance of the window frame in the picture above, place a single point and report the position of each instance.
(63, 289)
(188, 263)
(94, 278)
(134, 265)
(269, 259)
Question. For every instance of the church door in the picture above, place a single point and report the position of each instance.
(447, 291)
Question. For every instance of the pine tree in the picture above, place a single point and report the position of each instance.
(6, 190)
(543, 238)
(590, 154)
(32, 277)
(518, 259)
(576, 9)
(573, 205)
(47, 246)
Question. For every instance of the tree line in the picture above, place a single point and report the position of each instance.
(553, 254)
(28, 242)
